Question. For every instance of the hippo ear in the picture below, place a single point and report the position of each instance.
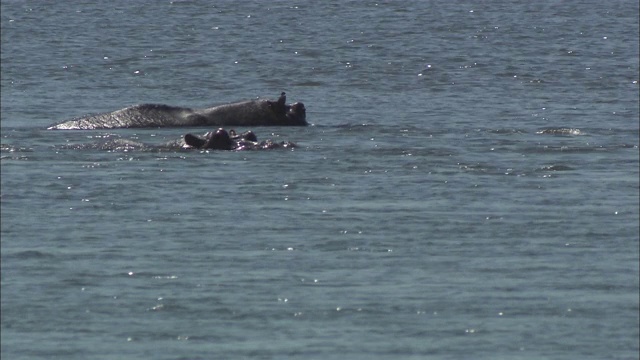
(282, 100)
(280, 106)
(194, 141)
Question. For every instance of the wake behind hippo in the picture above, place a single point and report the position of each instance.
(258, 112)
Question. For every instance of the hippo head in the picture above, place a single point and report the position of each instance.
(297, 114)
(245, 136)
(294, 114)
(220, 140)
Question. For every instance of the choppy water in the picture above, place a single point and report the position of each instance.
(430, 212)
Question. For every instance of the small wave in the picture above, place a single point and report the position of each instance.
(556, 168)
(560, 131)
(30, 254)
(12, 148)
(506, 131)
(568, 149)
(123, 145)
(310, 83)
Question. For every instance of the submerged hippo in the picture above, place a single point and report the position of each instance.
(223, 140)
(218, 140)
(259, 112)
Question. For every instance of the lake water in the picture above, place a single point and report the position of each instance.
(468, 189)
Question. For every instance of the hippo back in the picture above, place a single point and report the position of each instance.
(137, 116)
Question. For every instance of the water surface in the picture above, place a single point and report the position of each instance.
(468, 189)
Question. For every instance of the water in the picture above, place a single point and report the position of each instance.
(425, 214)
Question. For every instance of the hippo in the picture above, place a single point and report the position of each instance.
(260, 112)
(223, 140)
(217, 140)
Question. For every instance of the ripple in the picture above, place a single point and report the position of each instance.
(560, 131)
